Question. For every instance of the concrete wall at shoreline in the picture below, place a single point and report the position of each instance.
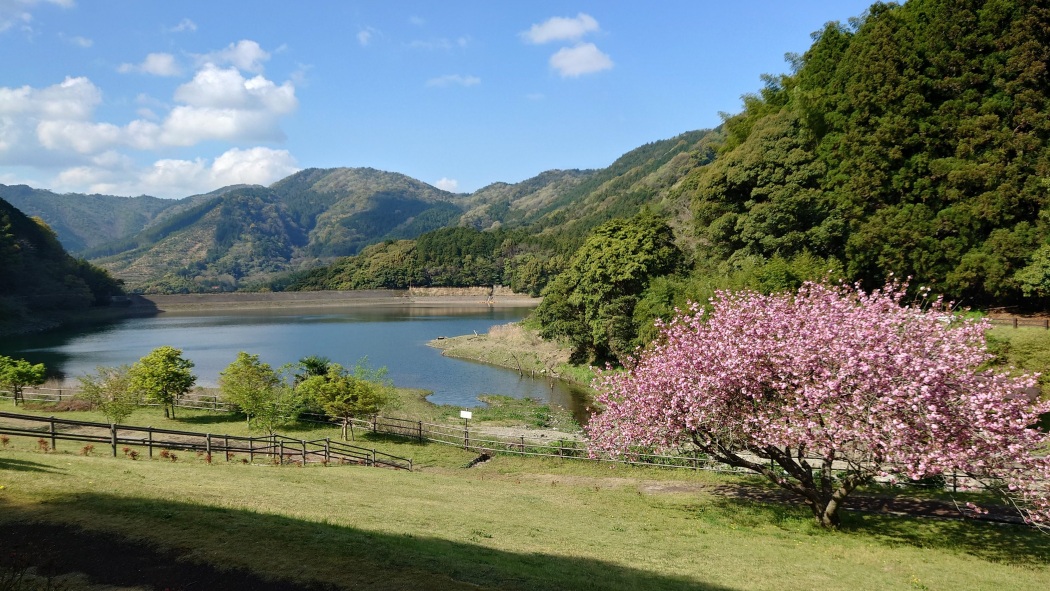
(457, 296)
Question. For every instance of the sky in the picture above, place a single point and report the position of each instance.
(171, 99)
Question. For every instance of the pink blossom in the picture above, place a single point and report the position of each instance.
(825, 390)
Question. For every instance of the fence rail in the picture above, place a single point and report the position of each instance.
(190, 401)
(279, 449)
(325, 450)
(1018, 322)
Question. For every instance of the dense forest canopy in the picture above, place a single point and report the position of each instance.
(912, 141)
(37, 275)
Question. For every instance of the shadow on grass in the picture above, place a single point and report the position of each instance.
(315, 555)
(210, 419)
(24, 466)
(1004, 543)
(996, 542)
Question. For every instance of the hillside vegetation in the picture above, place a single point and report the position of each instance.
(37, 275)
(910, 142)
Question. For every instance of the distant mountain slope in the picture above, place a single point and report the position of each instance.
(38, 275)
(84, 221)
(242, 236)
(345, 209)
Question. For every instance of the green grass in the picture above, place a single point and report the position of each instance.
(510, 523)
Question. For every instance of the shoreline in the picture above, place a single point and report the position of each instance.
(422, 297)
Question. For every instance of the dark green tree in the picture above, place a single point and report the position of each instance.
(162, 376)
(16, 374)
(591, 303)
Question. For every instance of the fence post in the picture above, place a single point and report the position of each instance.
(113, 438)
(251, 450)
(522, 445)
(226, 443)
(328, 450)
(373, 457)
(1015, 322)
(281, 457)
(207, 444)
(149, 431)
(421, 431)
(54, 441)
(304, 452)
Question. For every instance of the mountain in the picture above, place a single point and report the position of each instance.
(522, 234)
(84, 221)
(913, 142)
(37, 275)
(242, 236)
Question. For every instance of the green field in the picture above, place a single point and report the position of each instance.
(510, 523)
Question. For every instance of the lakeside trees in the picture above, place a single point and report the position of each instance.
(344, 395)
(16, 374)
(826, 389)
(162, 376)
(109, 390)
(591, 304)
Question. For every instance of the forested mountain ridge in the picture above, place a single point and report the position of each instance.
(85, 221)
(913, 141)
(38, 276)
(523, 234)
(241, 237)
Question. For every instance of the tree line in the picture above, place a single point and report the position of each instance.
(269, 398)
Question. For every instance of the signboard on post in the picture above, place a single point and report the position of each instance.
(466, 414)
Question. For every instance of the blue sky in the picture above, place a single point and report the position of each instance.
(131, 97)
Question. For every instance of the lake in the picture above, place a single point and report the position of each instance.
(394, 337)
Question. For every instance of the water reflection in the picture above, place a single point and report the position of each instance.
(394, 337)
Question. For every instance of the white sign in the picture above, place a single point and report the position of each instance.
(466, 414)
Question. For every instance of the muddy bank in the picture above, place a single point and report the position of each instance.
(516, 347)
(498, 298)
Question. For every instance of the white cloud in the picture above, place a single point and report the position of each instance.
(185, 25)
(80, 41)
(73, 98)
(157, 64)
(246, 55)
(364, 36)
(179, 178)
(18, 11)
(442, 44)
(55, 128)
(417, 21)
(584, 58)
(447, 184)
(453, 79)
(561, 29)
(218, 104)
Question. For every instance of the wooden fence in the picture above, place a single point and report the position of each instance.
(1018, 322)
(194, 400)
(482, 443)
(278, 449)
(301, 451)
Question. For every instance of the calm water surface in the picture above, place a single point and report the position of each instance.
(391, 337)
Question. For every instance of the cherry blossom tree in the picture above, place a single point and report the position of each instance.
(826, 389)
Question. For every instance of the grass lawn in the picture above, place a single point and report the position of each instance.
(510, 523)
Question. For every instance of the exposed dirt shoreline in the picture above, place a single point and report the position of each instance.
(479, 296)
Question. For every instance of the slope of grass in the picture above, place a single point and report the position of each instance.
(510, 523)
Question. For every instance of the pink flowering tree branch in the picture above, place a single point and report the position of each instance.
(825, 390)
